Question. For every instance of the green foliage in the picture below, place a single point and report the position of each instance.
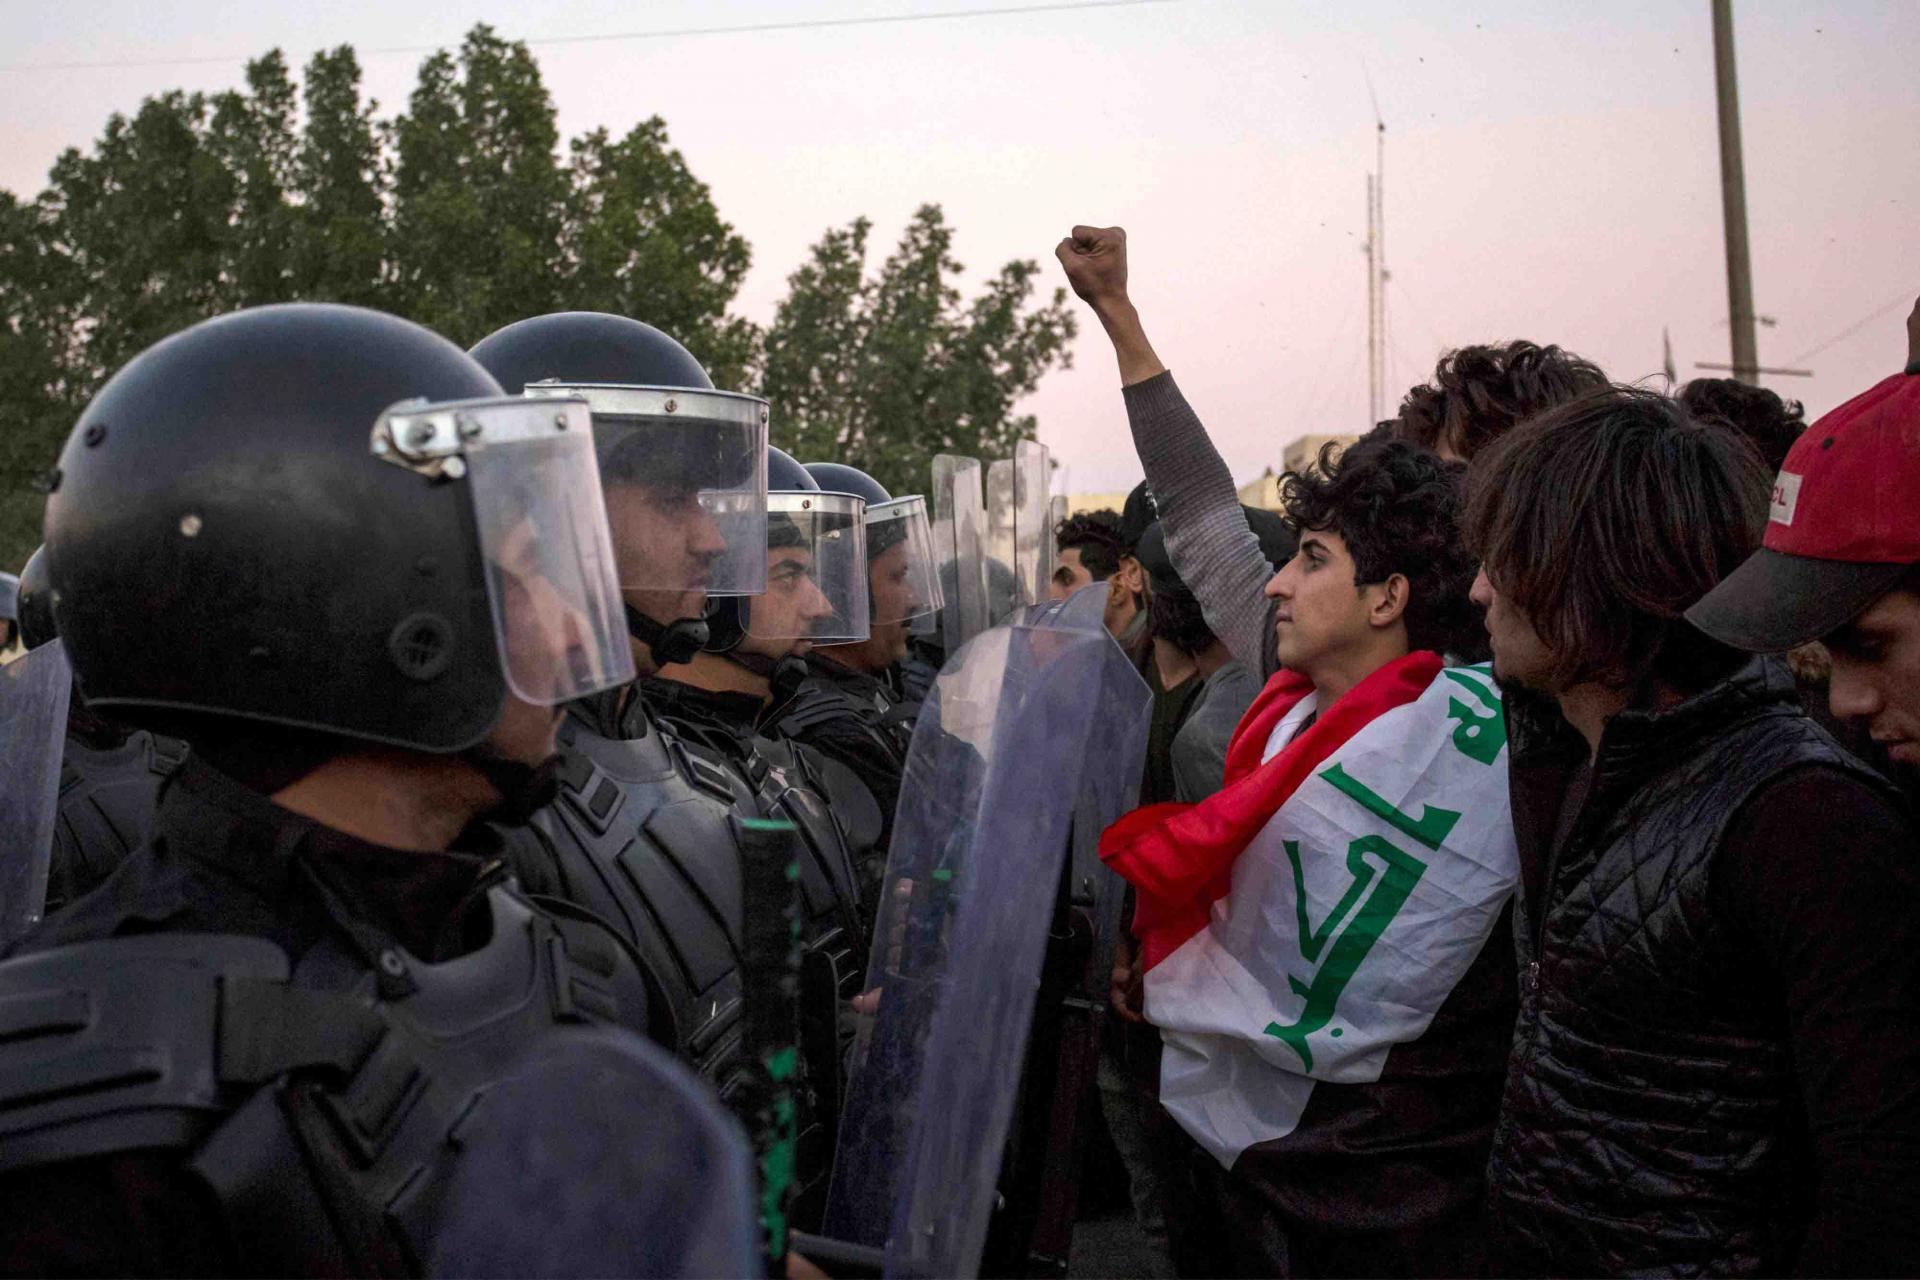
(464, 212)
(884, 373)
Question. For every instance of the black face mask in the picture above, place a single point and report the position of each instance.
(673, 644)
(525, 789)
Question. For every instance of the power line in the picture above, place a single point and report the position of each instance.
(804, 24)
(1855, 327)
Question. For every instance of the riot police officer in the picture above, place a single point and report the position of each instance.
(311, 1026)
(754, 661)
(852, 705)
(646, 832)
(110, 774)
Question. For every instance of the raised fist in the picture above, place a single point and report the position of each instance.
(1095, 259)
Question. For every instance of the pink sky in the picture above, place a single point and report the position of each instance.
(1551, 174)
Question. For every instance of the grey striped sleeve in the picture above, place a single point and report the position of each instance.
(1207, 535)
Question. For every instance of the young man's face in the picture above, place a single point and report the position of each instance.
(790, 608)
(663, 536)
(890, 581)
(1069, 574)
(1876, 674)
(1520, 656)
(1321, 613)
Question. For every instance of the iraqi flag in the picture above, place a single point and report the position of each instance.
(1318, 910)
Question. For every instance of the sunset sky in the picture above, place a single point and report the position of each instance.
(1552, 170)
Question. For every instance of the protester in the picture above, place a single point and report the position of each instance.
(1839, 564)
(1717, 1063)
(1479, 392)
(1087, 550)
(1356, 1145)
(1213, 690)
(1762, 418)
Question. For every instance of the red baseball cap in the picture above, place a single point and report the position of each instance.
(1843, 530)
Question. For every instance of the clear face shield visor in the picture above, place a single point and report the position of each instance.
(903, 572)
(816, 584)
(535, 492)
(684, 471)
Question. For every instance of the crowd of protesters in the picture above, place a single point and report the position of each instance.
(1523, 882)
(1601, 957)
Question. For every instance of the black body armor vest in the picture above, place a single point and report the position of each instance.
(860, 723)
(109, 784)
(644, 836)
(487, 1114)
(771, 778)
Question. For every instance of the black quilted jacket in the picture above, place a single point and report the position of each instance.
(1650, 1123)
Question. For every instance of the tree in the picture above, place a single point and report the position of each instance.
(645, 240)
(884, 373)
(480, 200)
(460, 213)
(463, 213)
(37, 395)
(339, 247)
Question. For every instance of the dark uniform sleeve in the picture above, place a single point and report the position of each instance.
(1823, 874)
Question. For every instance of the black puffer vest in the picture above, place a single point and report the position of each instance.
(1650, 1123)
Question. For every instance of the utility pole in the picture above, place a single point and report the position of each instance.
(1733, 199)
(1382, 393)
(1373, 317)
(1376, 247)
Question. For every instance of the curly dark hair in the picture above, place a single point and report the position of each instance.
(1179, 620)
(1097, 535)
(1478, 393)
(1397, 507)
(1762, 418)
(1604, 520)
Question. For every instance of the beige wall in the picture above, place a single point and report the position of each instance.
(1262, 491)
(1301, 452)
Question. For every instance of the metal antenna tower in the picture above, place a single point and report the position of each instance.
(1376, 249)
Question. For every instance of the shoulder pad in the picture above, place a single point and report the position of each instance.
(114, 1044)
(815, 706)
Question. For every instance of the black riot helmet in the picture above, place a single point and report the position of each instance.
(683, 466)
(816, 569)
(276, 516)
(587, 347)
(841, 478)
(36, 602)
(911, 585)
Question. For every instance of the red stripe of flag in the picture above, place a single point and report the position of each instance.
(1179, 857)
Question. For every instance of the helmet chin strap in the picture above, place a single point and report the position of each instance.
(674, 643)
(524, 789)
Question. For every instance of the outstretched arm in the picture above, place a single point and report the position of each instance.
(1207, 535)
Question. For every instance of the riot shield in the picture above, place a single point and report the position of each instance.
(34, 690)
(1032, 524)
(1098, 892)
(1021, 725)
(1003, 581)
(959, 525)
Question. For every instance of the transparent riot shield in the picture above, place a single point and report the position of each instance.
(1098, 892)
(1022, 737)
(1003, 582)
(1032, 524)
(34, 690)
(959, 524)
